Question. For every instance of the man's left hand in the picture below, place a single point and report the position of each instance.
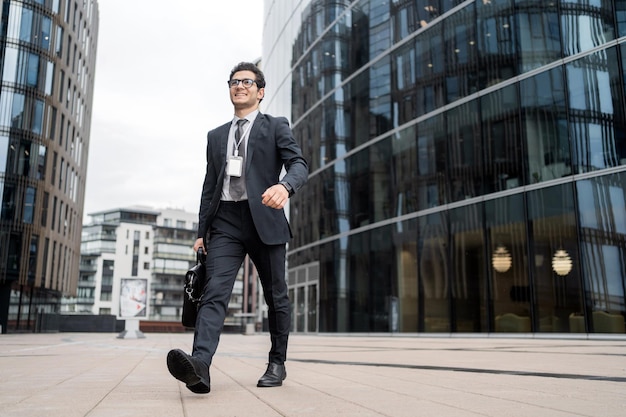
(275, 197)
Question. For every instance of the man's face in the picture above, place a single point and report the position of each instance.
(242, 97)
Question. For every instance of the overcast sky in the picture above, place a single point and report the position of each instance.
(160, 85)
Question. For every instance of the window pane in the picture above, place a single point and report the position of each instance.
(554, 259)
(544, 124)
(497, 50)
(4, 153)
(32, 70)
(501, 130)
(29, 205)
(602, 204)
(465, 151)
(26, 26)
(403, 171)
(9, 72)
(8, 202)
(538, 37)
(460, 54)
(585, 26)
(45, 32)
(433, 264)
(506, 227)
(431, 164)
(17, 111)
(596, 91)
(49, 78)
(469, 286)
(37, 117)
(430, 71)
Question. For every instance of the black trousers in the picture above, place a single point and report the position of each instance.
(232, 236)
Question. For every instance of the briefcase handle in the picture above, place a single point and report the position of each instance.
(200, 256)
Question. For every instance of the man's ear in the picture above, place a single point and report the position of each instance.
(261, 93)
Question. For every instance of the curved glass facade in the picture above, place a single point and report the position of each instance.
(47, 67)
(468, 164)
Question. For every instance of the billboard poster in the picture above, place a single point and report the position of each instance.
(133, 297)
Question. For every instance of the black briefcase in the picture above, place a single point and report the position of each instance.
(195, 279)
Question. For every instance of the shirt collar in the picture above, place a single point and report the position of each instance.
(250, 117)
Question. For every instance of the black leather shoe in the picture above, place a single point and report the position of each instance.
(273, 377)
(192, 371)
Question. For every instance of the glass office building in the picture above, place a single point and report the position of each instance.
(47, 64)
(468, 163)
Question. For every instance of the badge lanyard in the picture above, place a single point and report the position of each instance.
(235, 162)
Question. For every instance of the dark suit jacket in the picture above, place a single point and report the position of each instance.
(270, 146)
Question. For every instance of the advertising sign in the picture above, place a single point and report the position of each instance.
(133, 297)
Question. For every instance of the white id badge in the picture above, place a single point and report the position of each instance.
(235, 166)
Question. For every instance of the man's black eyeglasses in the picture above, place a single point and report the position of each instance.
(247, 82)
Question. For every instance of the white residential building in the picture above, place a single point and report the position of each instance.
(133, 263)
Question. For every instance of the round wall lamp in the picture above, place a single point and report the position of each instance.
(501, 259)
(561, 262)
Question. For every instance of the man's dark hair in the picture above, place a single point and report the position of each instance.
(249, 66)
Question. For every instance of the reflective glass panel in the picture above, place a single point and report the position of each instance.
(379, 25)
(37, 117)
(362, 299)
(381, 181)
(602, 211)
(465, 151)
(406, 286)
(26, 25)
(539, 38)
(8, 202)
(404, 84)
(434, 274)
(32, 70)
(9, 72)
(45, 32)
(460, 54)
(510, 286)
(586, 24)
(501, 130)
(470, 293)
(554, 258)
(380, 97)
(403, 165)
(360, 184)
(430, 178)
(4, 153)
(544, 126)
(29, 205)
(596, 115)
(430, 71)
(497, 52)
(17, 110)
(312, 308)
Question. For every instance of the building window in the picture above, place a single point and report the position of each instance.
(29, 205)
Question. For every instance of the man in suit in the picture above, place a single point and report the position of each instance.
(241, 212)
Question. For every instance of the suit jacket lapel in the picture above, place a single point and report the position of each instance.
(223, 144)
(259, 126)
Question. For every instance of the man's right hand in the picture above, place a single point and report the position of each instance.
(199, 244)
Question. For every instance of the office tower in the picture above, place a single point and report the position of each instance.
(468, 163)
(47, 58)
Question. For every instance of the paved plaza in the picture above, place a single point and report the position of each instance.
(101, 375)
